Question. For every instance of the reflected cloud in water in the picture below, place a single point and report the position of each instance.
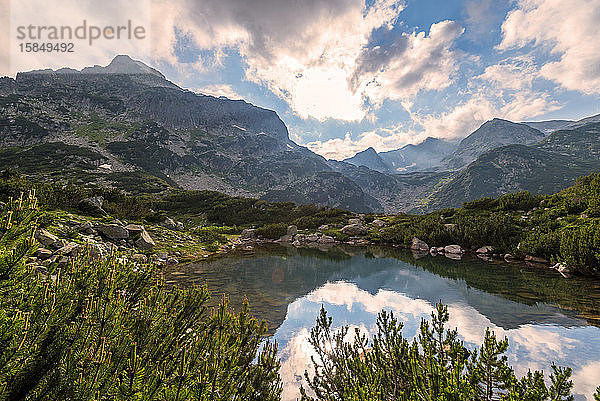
(532, 345)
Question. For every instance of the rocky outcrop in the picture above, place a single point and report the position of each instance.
(92, 206)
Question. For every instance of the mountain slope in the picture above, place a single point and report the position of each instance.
(543, 168)
(126, 126)
(491, 135)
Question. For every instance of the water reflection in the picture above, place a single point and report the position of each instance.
(545, 317)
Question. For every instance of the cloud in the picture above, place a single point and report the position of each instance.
(218, 90)
(320, 56)
(413, 63)
(567, 29)
(381, 139)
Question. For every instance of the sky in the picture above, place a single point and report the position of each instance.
(345, 75)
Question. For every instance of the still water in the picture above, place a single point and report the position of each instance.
(546, 318)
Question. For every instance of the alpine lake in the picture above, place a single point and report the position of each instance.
(546, 317)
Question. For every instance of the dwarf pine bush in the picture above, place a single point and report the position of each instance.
(107, 330)
(434, 366)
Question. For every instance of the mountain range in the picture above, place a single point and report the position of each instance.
(125, 125)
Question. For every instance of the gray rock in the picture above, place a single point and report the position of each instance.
(450, 226)
(453, 256)
(113, 231)
(312, 238)
(485, 250)
(92, 206)
(173, 261)
(292, 230)
(43, 253)
(45, 238)
(419, 245)
(2, 206)
(324, 227)
(134, 229)
(169, 223)
(69, 249)
(354, 229)
(453, 249)
(140, 258)
(248, 233)
(354, 221)
(326, 239)
(297, 243)
(180, 226)
(378, 223)
(509, 258)
(145, 242)
(286, 238)
(87, 228)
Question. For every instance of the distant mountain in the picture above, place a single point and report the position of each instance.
(422, 156)
(584, 121)
(490, 135)
(546, 167)
(371, 159)
(548, 127)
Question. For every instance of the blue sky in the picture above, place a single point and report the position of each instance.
(348, 74)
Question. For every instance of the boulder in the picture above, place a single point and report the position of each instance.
(87, 228)
(286, 238)
(450, 226)
(140, 258)
(378, 223)
(292, 230)
(354, 229)
(509, 258)
(453, 249)
(113, 231)
(2, 206)
(169, 223)
(419, 245)
(92, 206)
(248, 233)
(69, 249)
(180, 226)
(297, 243)
(312, 238)
(324, 227)
(433, 251)
(43, 253)
(172, 261)
(354, 221)
(326, 239)
(145, 241)
(45, 238)
(453, 256)
(485, 250)
(134, 229)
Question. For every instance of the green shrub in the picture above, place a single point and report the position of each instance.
(434, 366)
(272, 231)
(108, 330)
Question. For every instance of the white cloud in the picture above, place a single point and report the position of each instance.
(569, 30)
(382, 139)
(318, 55)
(218, 90)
